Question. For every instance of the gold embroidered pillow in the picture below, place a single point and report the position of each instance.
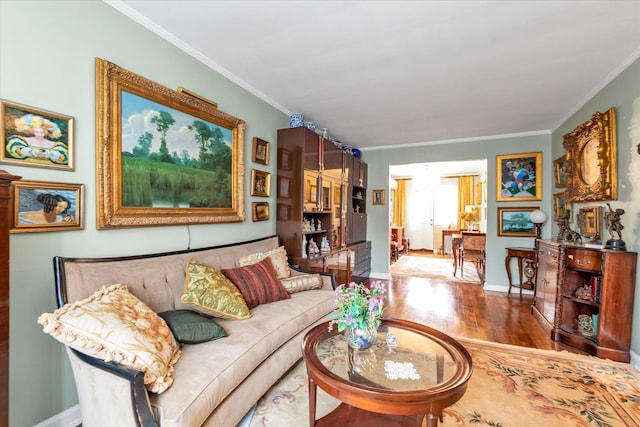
(277, 256)
(303, 282)
(114, 325)
(210, 292)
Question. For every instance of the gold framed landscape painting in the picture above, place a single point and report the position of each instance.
(35, 137)
(519, 177)
(163, 157)
(46, 206)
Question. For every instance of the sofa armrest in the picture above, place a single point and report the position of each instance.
(110, 394)
(328, 279)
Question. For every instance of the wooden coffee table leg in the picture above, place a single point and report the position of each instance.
(432, 420)
(312, 402)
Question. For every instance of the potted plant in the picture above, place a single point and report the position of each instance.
(358, 312)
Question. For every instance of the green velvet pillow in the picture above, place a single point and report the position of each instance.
(189, 327)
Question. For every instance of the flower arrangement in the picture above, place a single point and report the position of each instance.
(358, 306)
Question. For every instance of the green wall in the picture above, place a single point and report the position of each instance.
(47, 52)
(623, 93)
(378, 216)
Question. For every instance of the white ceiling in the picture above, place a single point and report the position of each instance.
(388, 73)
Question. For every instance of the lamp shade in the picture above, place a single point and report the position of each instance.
(538, 216)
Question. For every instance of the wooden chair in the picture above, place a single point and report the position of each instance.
(473, 250)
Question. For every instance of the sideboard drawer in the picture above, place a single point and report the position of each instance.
(584, 259)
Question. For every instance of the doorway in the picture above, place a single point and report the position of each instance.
(431, 200)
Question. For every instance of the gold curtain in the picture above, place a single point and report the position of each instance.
(400, 204)
(465, 197)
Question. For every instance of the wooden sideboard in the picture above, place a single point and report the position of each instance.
(5, 212)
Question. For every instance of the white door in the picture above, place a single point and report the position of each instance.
(419, 227)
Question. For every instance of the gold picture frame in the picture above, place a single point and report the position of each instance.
(378, 197)
(260, 211)
(591, 160)
(516, 222)
(520, 177)
(34, 137)
(590, 222)
(260, 152)
(561, 208)
(260, 183)
(46, 206)
(558, 172)
(138, 186)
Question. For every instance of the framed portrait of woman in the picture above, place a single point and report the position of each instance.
(35, 137)
(46, 206)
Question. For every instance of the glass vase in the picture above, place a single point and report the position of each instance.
(361, 338)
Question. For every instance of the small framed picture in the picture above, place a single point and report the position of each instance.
(260, 151)
(46, 206)
(561, 209)
(284, 187)
(558, 171)
(515, 222)
(260, 211)
(378, 197)
(260, 183)
(34, 137)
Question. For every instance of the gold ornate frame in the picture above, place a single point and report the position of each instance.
(524, 228)
(378, 197)
(558, 171)
(590, 222)
(18, 124)
(260, 183)
(111, 82)
(26, 202)
(260, 152)
(516, 188)
(591, 164)
(561, 208)
(260, 211)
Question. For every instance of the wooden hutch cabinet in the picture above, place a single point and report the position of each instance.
(316, 202)
(594, 294)
(5, 214)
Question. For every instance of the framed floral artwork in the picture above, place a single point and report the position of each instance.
(260, 153)
(519, 177)
(260, 183)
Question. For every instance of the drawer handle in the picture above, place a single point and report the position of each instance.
(587, 263)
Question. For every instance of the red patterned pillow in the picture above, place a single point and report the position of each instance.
(258, 283)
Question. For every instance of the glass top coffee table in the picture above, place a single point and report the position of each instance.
(411, 371)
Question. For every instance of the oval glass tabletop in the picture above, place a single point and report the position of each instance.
(400, 360)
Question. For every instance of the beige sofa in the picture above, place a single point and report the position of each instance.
(214, 383)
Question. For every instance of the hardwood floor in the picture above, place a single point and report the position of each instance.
(467, 310)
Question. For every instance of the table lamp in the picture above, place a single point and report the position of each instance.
(538, 218)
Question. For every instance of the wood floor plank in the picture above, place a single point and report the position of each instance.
(467, 310)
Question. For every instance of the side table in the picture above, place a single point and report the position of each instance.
(521, 254)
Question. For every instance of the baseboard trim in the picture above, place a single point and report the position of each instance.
(68, 418)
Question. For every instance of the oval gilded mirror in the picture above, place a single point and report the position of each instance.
(590, 167)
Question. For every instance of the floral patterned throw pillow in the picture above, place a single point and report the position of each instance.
(114, 325)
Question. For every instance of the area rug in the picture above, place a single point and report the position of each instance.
(433, 267)
(510, 386)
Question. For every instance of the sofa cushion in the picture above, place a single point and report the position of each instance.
(258, 283)
(209, 291)
(189, 327)
(302, 282)
(220, 366)
(114, 325)
(277, 256)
